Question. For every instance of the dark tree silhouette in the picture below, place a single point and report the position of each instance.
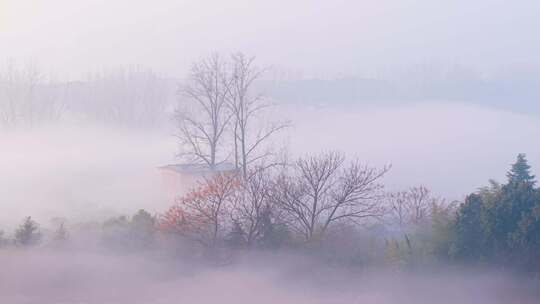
(28, 233)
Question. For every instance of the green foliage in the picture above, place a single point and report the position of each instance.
(527, 239)
(521, 172)
(500, 224)
(442, 230)
(28, 233)
(502, 220)
(469, 232)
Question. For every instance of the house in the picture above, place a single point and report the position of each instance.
(181, 177)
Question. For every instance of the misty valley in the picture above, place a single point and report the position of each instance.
(355, 152)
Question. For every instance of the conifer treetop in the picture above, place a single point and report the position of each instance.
(521, 172)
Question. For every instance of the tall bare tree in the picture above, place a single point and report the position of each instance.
(322, 190)
(245, 105)
(203, 118)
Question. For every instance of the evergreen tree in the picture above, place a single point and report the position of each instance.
(116, 233)
(61, 234)
(506, 210)
(28, 233)
(499, 223)
(142, 229)
(469, 233)
(273, 235)
(526, 240)
(520, 172)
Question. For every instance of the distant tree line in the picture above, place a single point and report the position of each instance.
(131, 96)
(27, 97)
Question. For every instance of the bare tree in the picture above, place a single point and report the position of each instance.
(410, 207)
(202, 215)
(203, 120)
(252, 203)
(246, 106)
(323, 190)
(220, 100)
(398, 208)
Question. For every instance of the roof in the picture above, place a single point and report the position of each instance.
(198, 168)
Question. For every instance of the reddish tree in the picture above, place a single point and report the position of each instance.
(202, 214)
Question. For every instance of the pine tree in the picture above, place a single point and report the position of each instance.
(142, 229)
(61, 234)
(501, 223)
(520, 172)
(272, 235)
(503, 216)
(28, 233)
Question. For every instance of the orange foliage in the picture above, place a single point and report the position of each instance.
(199, 207)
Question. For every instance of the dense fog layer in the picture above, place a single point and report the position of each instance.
(83, 172)
(449, 147)
(82, 277)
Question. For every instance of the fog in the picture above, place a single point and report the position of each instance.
(90, 171)
(83, 172)
(440, 145)
(52, 277)
(391, 104)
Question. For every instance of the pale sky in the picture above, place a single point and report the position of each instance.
(318, 37)
(451, 148)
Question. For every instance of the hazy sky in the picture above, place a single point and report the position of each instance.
(317, 37)
(451, 148)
